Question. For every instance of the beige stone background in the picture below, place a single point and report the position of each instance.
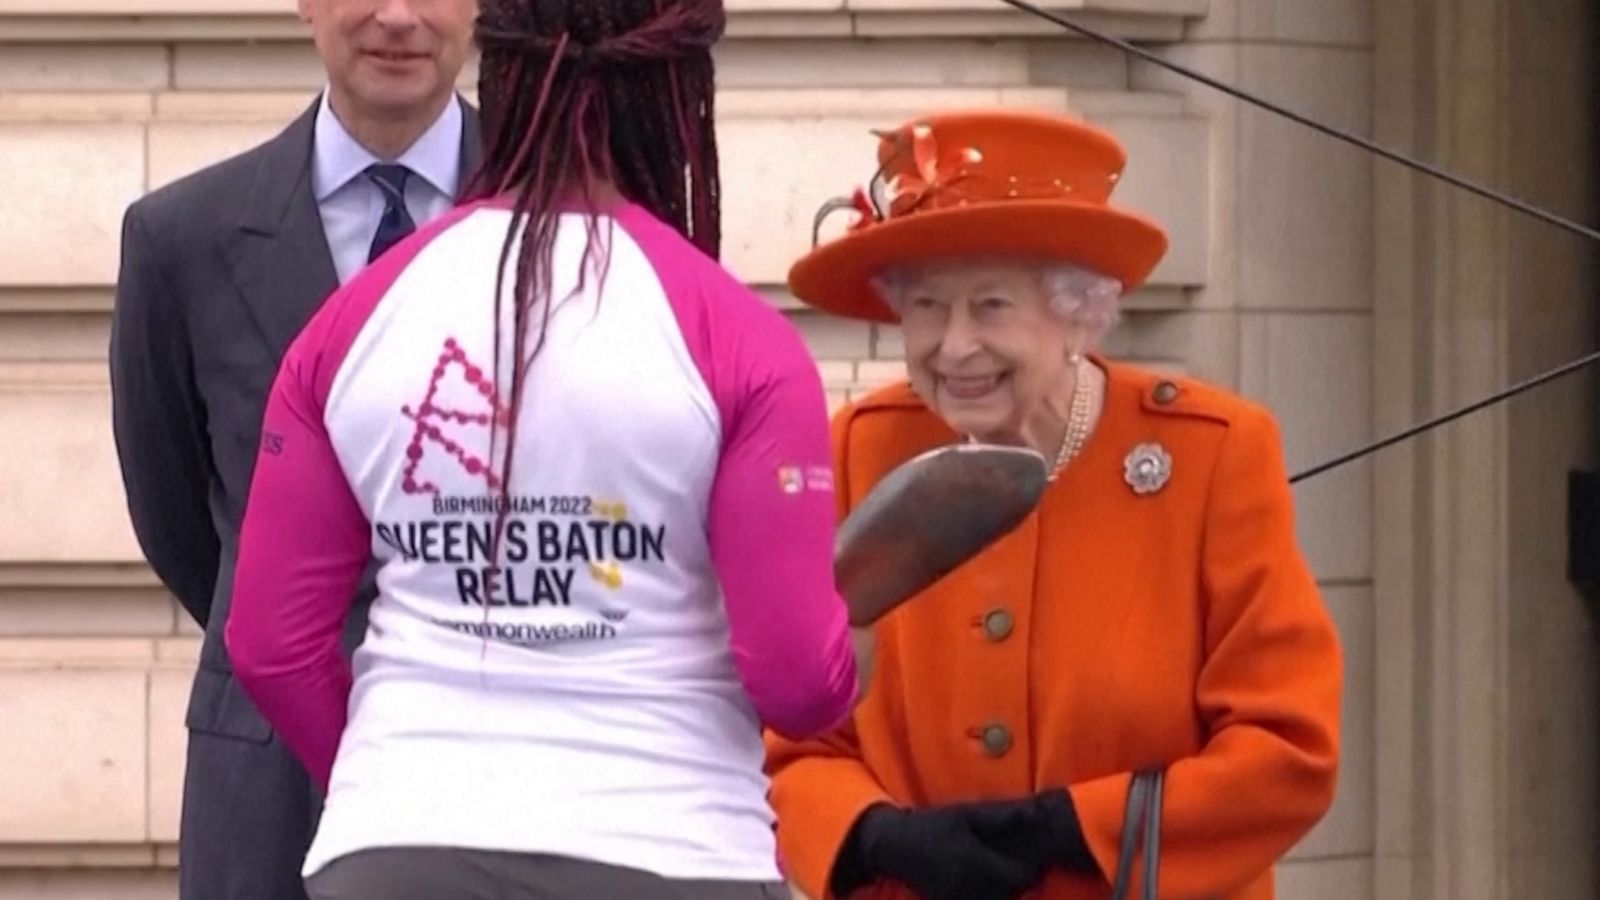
(1351, 297)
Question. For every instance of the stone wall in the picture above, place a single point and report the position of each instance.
(1268, 288)
(1486, 657)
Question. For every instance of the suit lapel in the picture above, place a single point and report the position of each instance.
(279, 256)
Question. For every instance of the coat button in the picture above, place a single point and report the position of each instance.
(996, 739)
(997, 625)
(1166, 392)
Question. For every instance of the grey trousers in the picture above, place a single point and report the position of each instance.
(249, 811)
(444, 873)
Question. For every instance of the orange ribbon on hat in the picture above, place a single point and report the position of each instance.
(928, 174)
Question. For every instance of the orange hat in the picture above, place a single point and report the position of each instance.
(983, 183)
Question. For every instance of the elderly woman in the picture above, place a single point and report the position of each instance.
(1153, 613)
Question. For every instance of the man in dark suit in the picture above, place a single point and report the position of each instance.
(219, 272)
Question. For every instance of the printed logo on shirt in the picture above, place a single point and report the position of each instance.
(798, 479)
(530, 635)
(541, 556)
(791, 479)
(443, 429)
(554, 556)
(819, 478)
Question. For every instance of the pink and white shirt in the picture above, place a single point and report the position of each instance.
(664, 586)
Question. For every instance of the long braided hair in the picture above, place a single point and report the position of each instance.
(576, 96)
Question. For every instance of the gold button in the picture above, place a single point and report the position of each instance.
(997, 625)
(1166, 392)
(996, 740)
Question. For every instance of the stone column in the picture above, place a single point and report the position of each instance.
(1486, 705)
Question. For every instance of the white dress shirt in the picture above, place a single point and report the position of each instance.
(351, 204)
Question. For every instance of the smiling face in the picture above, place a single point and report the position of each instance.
(983, 347)
(391, 58)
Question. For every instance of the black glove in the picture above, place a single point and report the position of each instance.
(1054, 838)
(942, 853)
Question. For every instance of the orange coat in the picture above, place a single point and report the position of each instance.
(1110, 632)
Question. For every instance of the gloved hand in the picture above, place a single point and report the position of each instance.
(943, 853)
(1053, 836)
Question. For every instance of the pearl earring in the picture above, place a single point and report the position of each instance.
(1074, 358)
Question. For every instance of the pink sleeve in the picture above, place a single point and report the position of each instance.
(302, 547)
(772, 529)
(773, 515)
(305, 539)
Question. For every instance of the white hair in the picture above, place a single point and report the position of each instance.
(1080, 297)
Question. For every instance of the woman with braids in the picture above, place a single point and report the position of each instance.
(593, 471)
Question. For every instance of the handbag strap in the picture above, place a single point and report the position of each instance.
(1141, 820)
(1152, 834)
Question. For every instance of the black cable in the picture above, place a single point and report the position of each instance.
(1420, 427)
(1329, 130)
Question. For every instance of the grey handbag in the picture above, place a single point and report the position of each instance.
(1143, 814)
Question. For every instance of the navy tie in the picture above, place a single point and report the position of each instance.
(396, 222)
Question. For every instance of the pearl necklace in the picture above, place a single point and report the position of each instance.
(1077, 419)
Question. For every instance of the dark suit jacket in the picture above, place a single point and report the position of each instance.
(219, 272)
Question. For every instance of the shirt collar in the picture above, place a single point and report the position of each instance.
(339, 158)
